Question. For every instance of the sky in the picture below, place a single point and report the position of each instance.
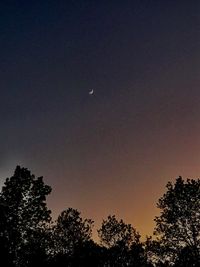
(113, 151)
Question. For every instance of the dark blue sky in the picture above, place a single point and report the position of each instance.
(114, 151)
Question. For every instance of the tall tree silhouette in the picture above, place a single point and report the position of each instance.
(23, 197)
(4, 244)
(71, 234)
(178, 225)
(114, 232)
(122, 242)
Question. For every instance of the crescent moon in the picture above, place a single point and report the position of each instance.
(91, 92)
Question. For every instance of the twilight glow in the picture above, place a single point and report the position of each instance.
(102, 99)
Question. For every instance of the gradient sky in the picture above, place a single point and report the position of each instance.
(114, 151)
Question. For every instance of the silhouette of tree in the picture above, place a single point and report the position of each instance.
(71, 234)
(24, 200)
(138, 256)
(89, 254)
(122, 242)
(27, 238)
(4, 245)
(186, 258)
(178, 225)
(114, 232)
(156, 251)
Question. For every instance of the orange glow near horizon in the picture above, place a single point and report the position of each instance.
(112, 152)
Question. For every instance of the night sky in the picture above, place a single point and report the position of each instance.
(113, 151)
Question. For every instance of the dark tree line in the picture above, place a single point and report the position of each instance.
(29, 237)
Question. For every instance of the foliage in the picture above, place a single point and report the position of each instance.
(71, 232)
(29, 238)
(122, 242)
(23, 197)
(114, 232)
(186, 258)
(178, 225)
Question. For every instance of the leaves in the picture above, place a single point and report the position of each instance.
(113, 232)
(26, 213)
(178, 225)
(71, 231)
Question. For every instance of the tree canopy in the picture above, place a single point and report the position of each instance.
(25, 214)
(29, 237)
(71, 231)
(178, 226)
(123, 243)
(114, 232)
